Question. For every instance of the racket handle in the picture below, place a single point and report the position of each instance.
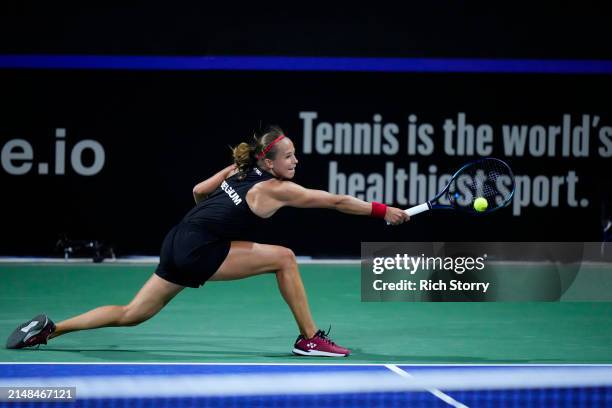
(417, 209)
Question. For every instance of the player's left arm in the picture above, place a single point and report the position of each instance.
(204, 188)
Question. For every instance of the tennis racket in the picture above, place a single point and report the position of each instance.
(489, 178)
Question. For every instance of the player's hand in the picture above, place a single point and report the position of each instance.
(231, 170)
(396, 216)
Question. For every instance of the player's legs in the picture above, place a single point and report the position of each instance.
(151, 298)
(247, 259)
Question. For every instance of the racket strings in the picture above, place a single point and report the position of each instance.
(490, 179)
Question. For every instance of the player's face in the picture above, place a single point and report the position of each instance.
(285, 161)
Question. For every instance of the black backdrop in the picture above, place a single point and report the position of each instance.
(409, 29)
(163, 131)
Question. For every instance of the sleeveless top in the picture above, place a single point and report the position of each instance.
(225, 212)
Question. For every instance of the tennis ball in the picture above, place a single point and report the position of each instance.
(480, 204)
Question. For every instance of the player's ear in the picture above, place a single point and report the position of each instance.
(269, 163)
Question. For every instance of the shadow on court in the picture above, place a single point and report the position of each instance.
(114, 354)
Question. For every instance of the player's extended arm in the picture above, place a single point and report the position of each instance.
(204, 188)
(294, 195)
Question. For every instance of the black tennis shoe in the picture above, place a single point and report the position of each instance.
(31, 333)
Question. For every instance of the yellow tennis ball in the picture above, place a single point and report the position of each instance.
(480, 204)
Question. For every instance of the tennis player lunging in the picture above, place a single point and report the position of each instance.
(208, 244)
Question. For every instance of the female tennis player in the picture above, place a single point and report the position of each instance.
(208, 244)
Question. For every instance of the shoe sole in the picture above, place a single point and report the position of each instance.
(317, 353)
(18, 338)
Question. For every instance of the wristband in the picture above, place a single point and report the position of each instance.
(378, 210)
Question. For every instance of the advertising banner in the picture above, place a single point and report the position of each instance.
(113, 155)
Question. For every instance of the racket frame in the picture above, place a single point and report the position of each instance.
(432, 204)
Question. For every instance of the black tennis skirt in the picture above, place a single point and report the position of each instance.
(190, 255)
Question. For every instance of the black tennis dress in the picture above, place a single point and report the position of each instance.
(195, 248)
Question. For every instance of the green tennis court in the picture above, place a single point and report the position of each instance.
(247, 321)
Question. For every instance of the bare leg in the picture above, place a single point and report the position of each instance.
(247, 259)
(151, 298)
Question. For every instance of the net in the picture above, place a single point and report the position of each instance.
(560, 397)
(379, 387)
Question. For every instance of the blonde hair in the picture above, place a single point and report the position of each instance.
(245, 154)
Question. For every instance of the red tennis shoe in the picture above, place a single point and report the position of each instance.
(319, 345)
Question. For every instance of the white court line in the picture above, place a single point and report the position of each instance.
(433, 365)
(302, 260)
(145, 260)
(436, 392)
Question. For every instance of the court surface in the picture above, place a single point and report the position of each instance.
(248, 322)
(228, 344)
